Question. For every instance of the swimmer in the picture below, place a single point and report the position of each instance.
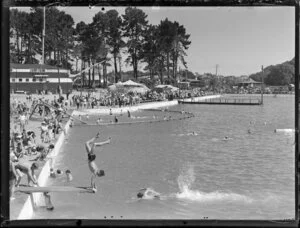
(110, 111)
(69, 175)
(52, 173)
(89, 146)
(59, 172)
(87, 116)
(98, 121)
(129, 115)
(147, 193)
(249, 131)
(121, 114)
(116, 119)
(226, 138)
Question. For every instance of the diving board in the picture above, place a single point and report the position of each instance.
(56, 189)
(285, 130)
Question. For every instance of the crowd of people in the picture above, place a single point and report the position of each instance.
(31, 146)
(121, 98)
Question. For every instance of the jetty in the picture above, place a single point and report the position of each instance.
(224, 101)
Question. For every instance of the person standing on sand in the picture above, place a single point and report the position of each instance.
(90, 146)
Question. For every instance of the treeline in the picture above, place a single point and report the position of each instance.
(108, 37)
(277, 75)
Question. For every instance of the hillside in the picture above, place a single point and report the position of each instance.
(277, 75)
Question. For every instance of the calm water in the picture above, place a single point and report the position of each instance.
(250, 176)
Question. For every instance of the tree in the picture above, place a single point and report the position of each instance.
(179, 45)
(150, 49)
(114, 37)
(134, 25)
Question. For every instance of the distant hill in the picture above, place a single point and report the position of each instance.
(277, 75)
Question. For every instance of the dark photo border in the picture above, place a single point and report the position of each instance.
(82, 222)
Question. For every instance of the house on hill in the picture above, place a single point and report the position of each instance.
(249, 83)
(35, 78)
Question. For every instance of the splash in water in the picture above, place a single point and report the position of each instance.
(187, 178)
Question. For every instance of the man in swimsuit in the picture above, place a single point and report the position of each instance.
(27, 169)
(147, 193)
(90, 145)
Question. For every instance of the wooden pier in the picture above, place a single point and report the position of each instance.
(225, 101)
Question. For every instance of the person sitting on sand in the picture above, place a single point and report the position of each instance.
(43, 150)
(147, 193)
(29, 170)
(90, 146)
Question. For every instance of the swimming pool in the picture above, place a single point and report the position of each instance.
(250, 176)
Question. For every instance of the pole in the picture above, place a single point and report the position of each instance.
(297, 59)
(217, 75)
(262, 84)
(43, 36)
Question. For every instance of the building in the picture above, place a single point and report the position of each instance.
(249, 83)
(34, 78)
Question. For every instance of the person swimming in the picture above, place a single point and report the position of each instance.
(116, 119)
(69, 175)
(52, 173)
(98, 120)
(147, 193)
(226, 138)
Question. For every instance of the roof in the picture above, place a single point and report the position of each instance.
(30, 66)
(249, 81)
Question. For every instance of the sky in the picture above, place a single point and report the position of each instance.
(237, 39)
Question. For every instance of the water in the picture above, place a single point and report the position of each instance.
(250, 176)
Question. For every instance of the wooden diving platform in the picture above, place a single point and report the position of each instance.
(224, 101)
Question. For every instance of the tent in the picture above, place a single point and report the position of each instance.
(131, 83)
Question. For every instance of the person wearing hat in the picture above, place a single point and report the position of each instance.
(26, 169)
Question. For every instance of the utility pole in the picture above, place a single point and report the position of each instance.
(262, 85)
(43, 36)
(217, 65)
